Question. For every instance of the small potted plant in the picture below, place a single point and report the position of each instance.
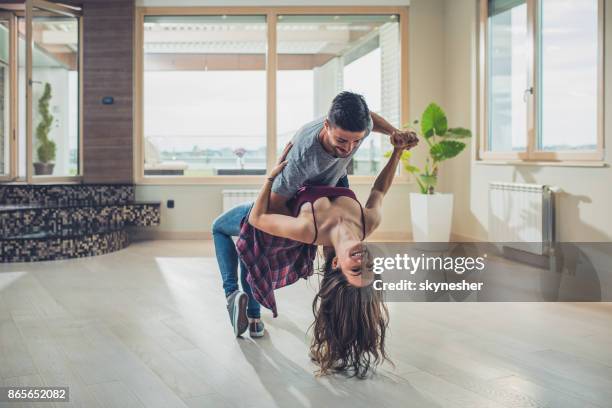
(240, 152)
(46, 146)
(431, 212)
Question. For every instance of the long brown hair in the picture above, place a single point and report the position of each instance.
(350, 325)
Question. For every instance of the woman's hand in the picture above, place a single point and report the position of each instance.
(281, 163)
(404, 140)
(261, 207)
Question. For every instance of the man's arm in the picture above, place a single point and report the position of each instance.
(381, 125)
(408, 138)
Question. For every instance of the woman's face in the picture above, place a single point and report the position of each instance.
(355, 262)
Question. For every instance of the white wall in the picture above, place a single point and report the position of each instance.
(196, 206)
(583, 208)
(426, 61)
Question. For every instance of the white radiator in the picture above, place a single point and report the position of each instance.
(522, 216)
(232, 198)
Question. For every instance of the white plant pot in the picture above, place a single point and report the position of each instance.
(432, 216)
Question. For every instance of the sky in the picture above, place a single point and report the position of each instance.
(215, 109)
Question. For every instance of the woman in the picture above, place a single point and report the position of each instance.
(350, 318)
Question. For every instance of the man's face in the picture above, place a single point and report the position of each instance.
(342, 142)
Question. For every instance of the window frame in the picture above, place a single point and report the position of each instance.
(271, 14)
(532, 155)
(56, 9)
(14, 143)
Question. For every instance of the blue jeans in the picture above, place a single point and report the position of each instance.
(226, 226)
(343, 182)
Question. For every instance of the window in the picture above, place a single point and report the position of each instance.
(543, 80)
(217, 99)
(40, 92)
(321, 55)
(204, 95)
(508, 77)
(55, 94)
(5, 129)
(567, 97)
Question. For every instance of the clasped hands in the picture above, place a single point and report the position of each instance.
(404, 139)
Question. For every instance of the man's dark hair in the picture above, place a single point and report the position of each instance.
(349, 111)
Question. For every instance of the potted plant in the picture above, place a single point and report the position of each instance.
(46, 147)
(431, 212)
(240, 152)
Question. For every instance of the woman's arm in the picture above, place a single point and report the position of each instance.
(382, 184)
(261, 206)
(277, 224)
(385, 178)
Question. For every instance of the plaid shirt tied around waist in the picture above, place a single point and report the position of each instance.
(272, 262)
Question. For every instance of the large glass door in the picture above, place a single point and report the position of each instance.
(52, 91)
(40, 92)
(7, 145)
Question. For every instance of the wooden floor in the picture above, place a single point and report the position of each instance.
(147, 326)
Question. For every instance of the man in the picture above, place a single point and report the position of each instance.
(321, 152)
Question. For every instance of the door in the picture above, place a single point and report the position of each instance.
(52, 66)
(8, 144)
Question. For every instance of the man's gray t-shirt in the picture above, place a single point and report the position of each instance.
(309, 164)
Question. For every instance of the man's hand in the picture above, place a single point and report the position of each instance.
(404, 139)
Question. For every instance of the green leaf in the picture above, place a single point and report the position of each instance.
(405, 155)
(405, 159)
(433, 121)
(446, 149)
(421, 186)
(458, 133)
(429, 180)
(46, 147)
(411, 169)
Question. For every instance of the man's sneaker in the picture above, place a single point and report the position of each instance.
(256, 328)
(237, 309)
